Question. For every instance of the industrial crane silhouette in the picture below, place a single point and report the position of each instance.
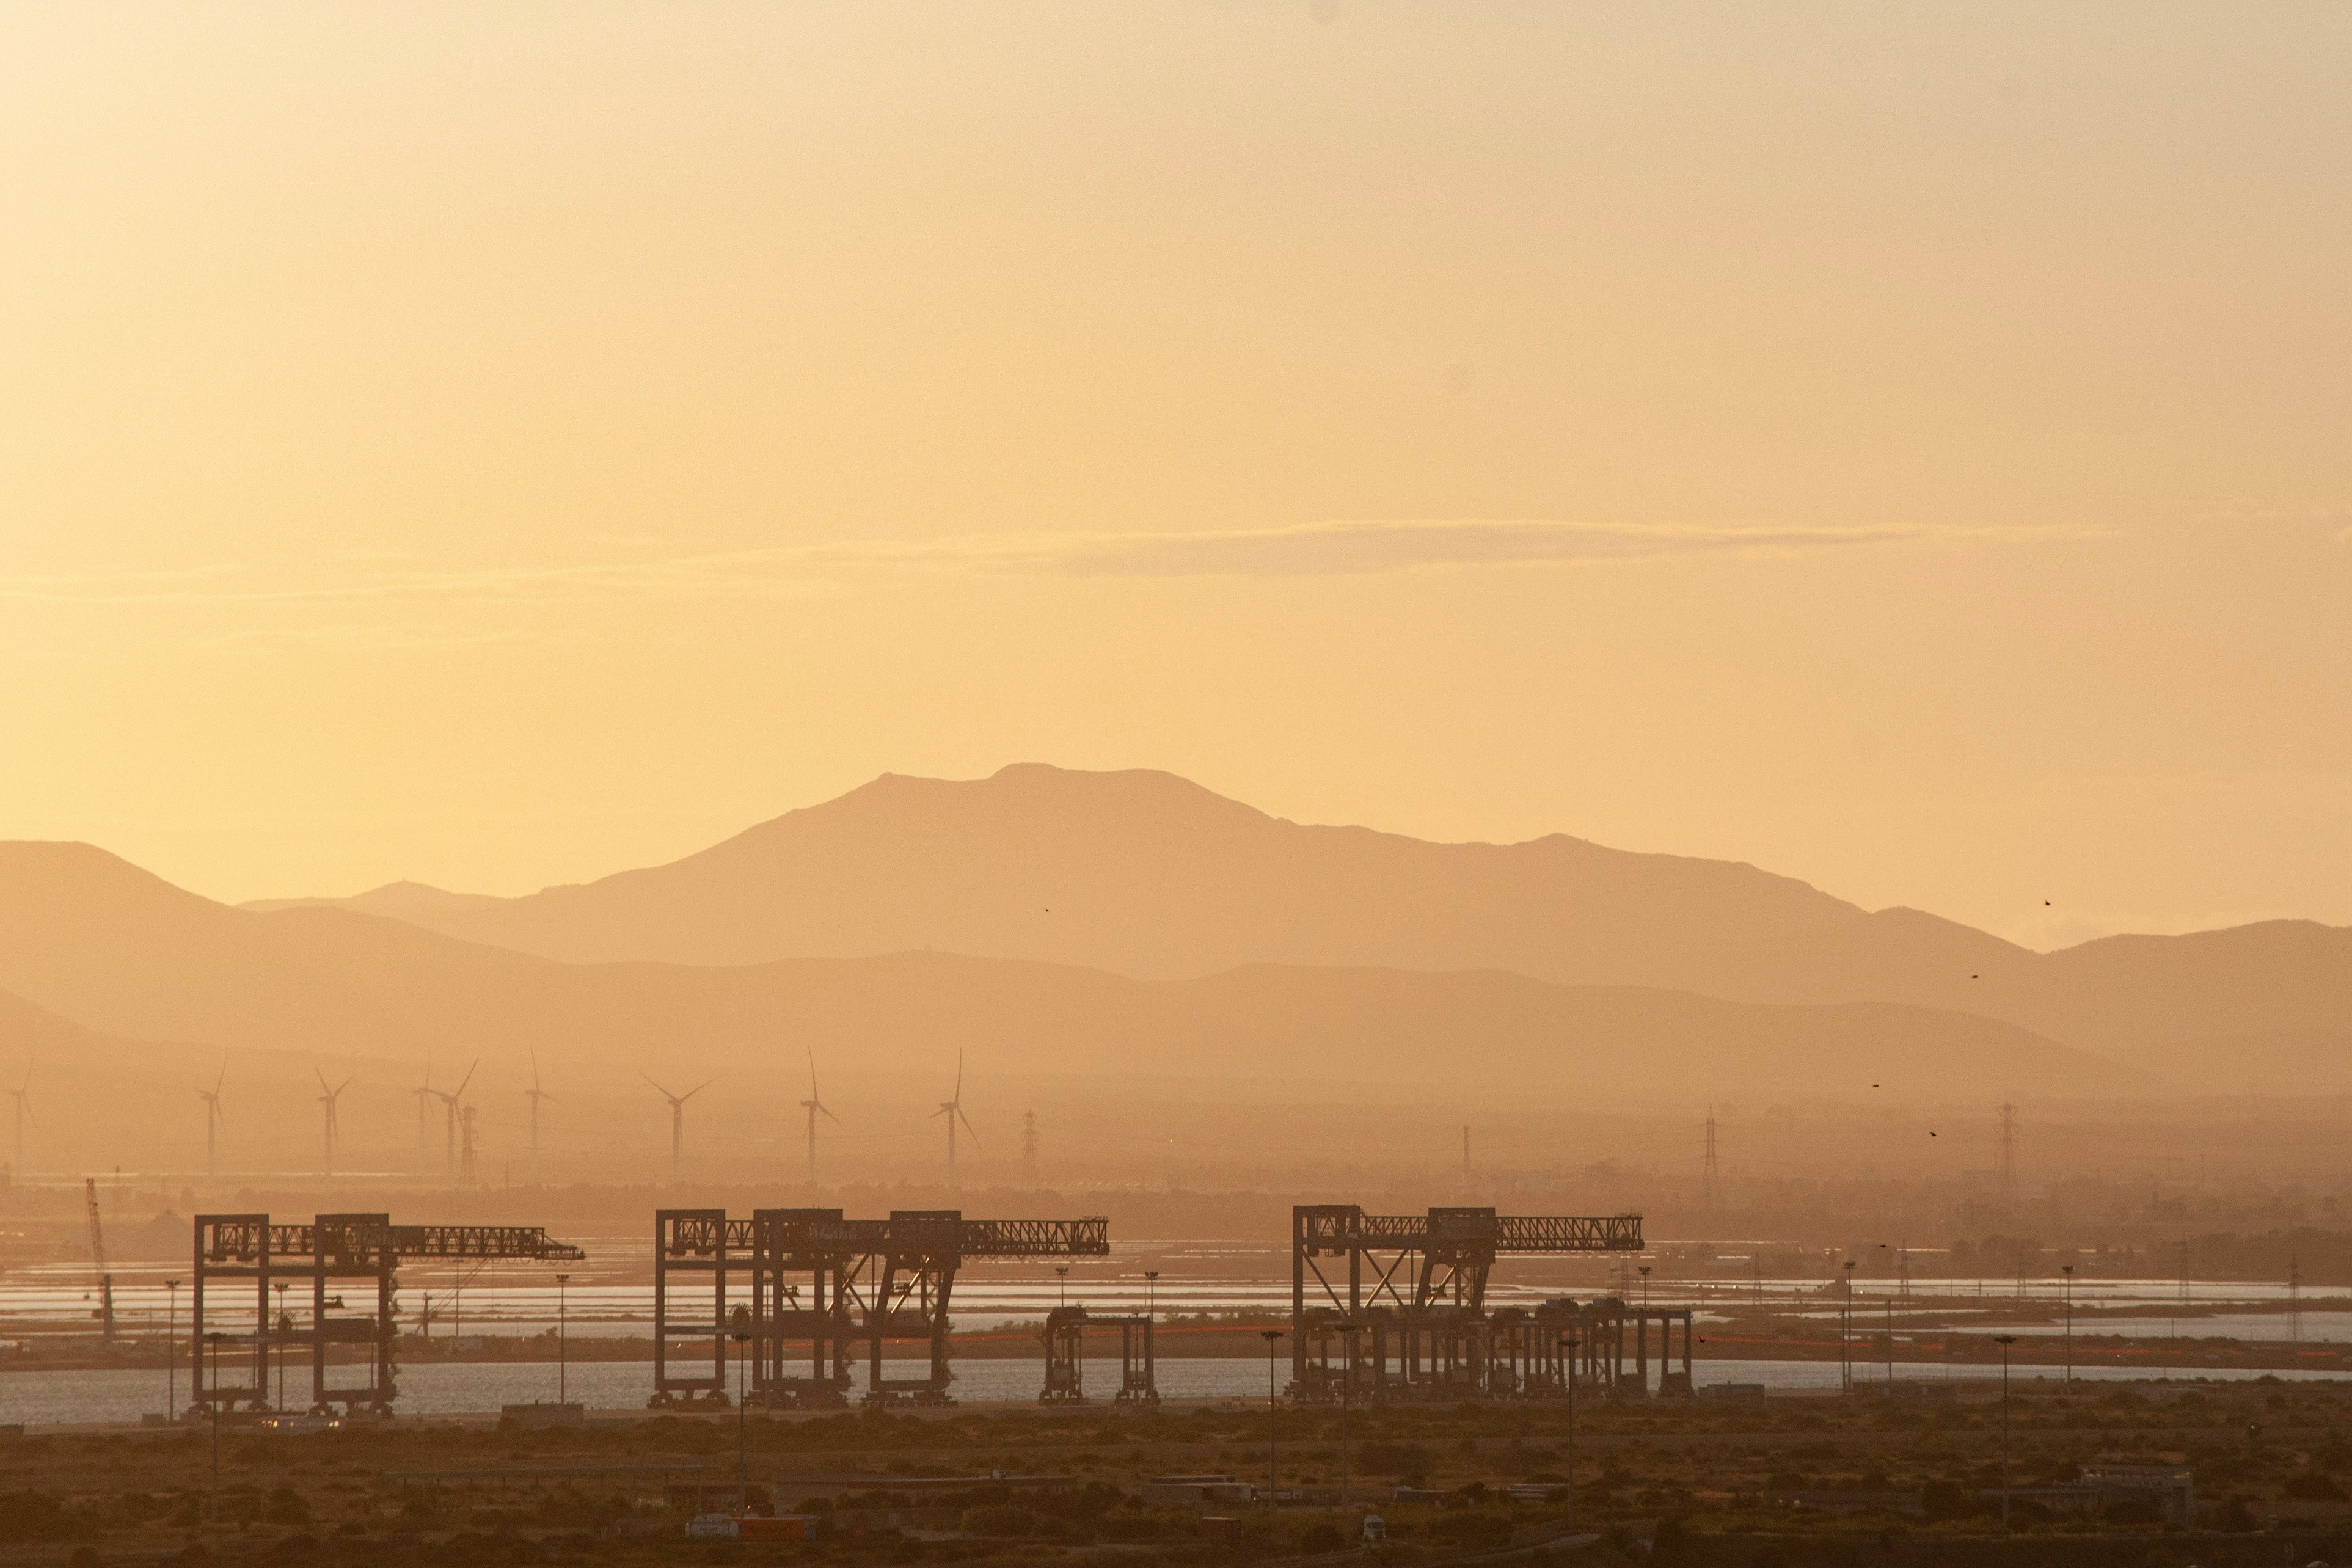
(214, 1120)
(813, 1104)
(953, 1111)
(105, 1313)
(677, 1121)
(327, 1097)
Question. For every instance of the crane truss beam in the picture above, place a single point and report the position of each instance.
(821, 1283)
(243, 1248)
(1426, 1300)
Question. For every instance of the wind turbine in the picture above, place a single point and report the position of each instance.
(214, 1120)
(953, 1111)
(327, 1097)
(813, 1104)
(424, 1093)
(449, 1099)
(677, 1121)
(24, 1097)
(537, 1095)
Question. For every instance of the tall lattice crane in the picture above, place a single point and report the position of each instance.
(105, 1313)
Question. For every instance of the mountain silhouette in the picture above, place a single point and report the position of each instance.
(1145, 875)
(113, 948)
(1142, 873)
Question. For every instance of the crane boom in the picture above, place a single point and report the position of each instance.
(105, 1313)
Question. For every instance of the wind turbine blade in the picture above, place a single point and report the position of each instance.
(941, 1111)
(828, 1111)
(959, 1093)
(695, 1089)
(346, 1084)
(535, 1067)
(967, 1124)
(321, 1077)
(664, 1093)
(29, 1074)
(469, 1076)
(811, 1056)
(223, 1078)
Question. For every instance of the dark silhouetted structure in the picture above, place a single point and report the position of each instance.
(870, 1279)
(245, 1248)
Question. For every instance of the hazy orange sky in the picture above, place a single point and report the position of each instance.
(1906, 448)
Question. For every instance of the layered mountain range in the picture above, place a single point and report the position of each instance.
(1088, 925)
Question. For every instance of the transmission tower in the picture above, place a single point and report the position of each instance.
(2009, 1148)
(1029, 1150)
(1708, 1177)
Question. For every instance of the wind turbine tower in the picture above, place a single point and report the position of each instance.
(2009, 1148)
(537, 1095)
(424, 1093)
(1709, 1176)
(953, 1111)
(450, 1100)
(677, 1122)
(327, 1097)
(24, 1097)
(215, 1119)
(813, 1106)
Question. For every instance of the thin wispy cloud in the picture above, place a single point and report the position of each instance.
(1317, 550)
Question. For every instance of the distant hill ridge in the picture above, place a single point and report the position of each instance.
(85, 936)
(1141, 873)
(1146, 874)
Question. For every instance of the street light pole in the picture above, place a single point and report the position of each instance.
(1571, 1342)
(171, 1349)
(216, 1338)
(278, 1337)
(2068, 1270)
(2004, 1341)
(742, 1321)
(1845, 1333)
(563, 1394)
(1272, 1457)
(1347, 1377)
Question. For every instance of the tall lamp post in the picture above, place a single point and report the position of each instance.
(1271, 1458)
(1845, 1333)
(2004, 1341)
(284, 1325)
(1568, 1343)
(562, 1393)
(1347, 1328)
(170, 1349)
(213, 1338)
(2068, 1270)
(738, 1323)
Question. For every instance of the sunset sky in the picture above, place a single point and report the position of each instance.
(1909, 448)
